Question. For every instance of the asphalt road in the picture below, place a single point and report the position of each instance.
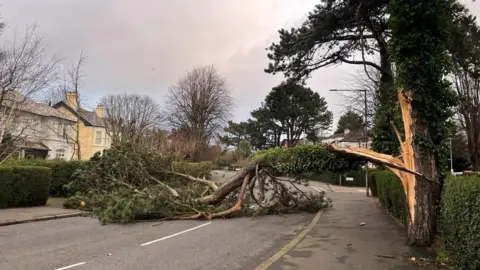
(82, 243)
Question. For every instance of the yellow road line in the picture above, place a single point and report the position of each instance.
(290, 245)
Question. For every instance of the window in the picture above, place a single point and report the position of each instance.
(98, 138)
(60, 154)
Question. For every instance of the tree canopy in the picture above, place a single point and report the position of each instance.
(235, 133)
(289, 109)
(336, 32)
(332, 34)
(298, 110)
(351, 121)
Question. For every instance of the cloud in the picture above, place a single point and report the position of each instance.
(144, 46)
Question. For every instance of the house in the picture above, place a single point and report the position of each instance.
(354, 138)
(40, 131)
(303, 141)
(90, 126)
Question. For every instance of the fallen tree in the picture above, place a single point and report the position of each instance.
(129, 182)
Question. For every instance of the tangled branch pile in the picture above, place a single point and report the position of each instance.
(129, 182)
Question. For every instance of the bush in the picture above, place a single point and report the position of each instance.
(391, 194)
(200, 169)
(305, 159)
(460, 220)
(24, 186)
(62, 172)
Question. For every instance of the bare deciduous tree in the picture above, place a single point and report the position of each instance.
(200, 102)
(130, 117)
(465, 52)
(26, 70)
(72, 81)
(467, 86)
(355, 101)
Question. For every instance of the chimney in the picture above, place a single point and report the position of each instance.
(72, 100)
(100, 111)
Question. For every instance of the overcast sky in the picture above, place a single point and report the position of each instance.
(143, 46)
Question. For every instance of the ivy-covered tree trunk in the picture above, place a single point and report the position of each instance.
(419, 43)
(425, 194)
(387, 111)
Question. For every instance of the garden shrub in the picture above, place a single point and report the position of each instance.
(460, 220)
(24, 186)
(62, 172)
(391, 194)
(195, 169)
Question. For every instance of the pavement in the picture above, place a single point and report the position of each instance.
(338, 241)
(53, 210)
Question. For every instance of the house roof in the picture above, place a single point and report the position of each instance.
(352, 136)
(28, 105)
(92, 117)
(35, 145)
(89, 118)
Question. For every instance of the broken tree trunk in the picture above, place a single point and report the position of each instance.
(228, 187)
(416, 169)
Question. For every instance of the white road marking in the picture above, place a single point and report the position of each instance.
(71, 266)
(317, 189)
(175, 234)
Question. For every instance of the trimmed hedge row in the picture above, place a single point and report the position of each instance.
(195, 169)
(460, 220)
(62, 172)
(391, 195)
(24, 186)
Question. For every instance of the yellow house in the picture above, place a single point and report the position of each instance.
(90, 127)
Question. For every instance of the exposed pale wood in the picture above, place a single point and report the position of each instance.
(409, 180)
(232, 184)
(373, 157)
(404, 168)
(211, 184)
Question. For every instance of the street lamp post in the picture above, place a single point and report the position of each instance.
(366, 128)
(451, 157)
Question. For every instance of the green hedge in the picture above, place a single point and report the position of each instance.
(62, 172)
(391, 194)
(196, 169)
(460, 220)
(24, 186)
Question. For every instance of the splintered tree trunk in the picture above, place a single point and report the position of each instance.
(423, 195)
(416, 169)
(228, 187)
